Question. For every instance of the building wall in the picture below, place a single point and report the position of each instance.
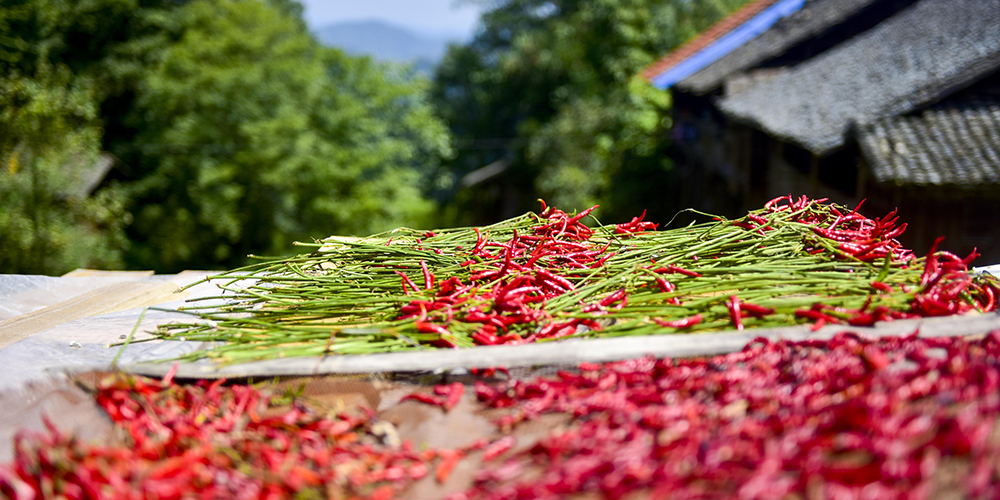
(967, 219)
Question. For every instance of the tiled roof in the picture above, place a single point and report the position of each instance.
(814, 19)
(916, 57)
(706, 37)
(954, 143)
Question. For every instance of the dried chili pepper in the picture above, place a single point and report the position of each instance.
(209, 440)
(734, 312)
(680, 323)
(422, 397)
(774, 418)
(428, 277)
(452, 394)
(498, 447)
(407, 282)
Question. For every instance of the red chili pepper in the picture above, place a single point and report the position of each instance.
(484, 275)
(583, 214)
(665, 286)
(485, 337)
(862, 319)
(875, 357)
(428, 277)
(455, 396)
(755, 310)
(450, 285)
(770, 205)
(452, 394)
(558, 280)
(819, 318)
(427, 327)
(677, 269)
(990, 299)
(617, 296)
(449, 458)
(169, 377)
(680, 323)
(511, 338)
(635, 225)
(931, 265)
(734, 312)
(480, 242)
(882, 287)
(697, 410)
(424, 398)
(498, 447)
(407, 282)
(866, 251)
(600, 262)
(895, 232)
(862, 202)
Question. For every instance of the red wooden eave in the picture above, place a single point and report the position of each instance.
(705, 38)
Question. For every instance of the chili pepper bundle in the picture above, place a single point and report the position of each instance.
(214, 441)
(549, 276)
(846, 418)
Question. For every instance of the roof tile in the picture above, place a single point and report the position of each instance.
(921, 54)
(955, 143)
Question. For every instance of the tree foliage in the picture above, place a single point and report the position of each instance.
(233, 132)
(253, 135)
(58, 62)
(551, 85)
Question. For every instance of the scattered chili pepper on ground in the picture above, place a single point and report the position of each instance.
(849, 417)
(445, 396)
(212, 440)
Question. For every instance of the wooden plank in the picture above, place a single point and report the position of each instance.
(107, 299)
(83, 273)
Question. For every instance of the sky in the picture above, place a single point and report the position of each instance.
(451, 18)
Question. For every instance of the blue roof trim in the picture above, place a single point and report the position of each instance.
(727, 43)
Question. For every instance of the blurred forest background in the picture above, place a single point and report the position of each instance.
(187, 134)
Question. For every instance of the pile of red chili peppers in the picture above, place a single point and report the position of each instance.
(946, 287)
(850, 417)
(855, 235)
(840, 419)
(549, 276)
(516, 278)
(211, 440)
(528, 269)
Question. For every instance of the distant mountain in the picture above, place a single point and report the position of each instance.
(386, 42)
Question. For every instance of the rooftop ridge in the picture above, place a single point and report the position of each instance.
(754, 17)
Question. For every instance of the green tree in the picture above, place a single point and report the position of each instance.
(551, 86)
(48, 139)
(250, 135)
(58, 62)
